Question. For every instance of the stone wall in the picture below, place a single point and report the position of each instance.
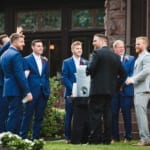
(114, 20)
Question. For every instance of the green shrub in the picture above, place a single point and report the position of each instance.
(53, 123)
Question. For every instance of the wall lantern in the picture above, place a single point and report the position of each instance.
(51, 47)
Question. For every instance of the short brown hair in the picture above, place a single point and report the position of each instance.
(143, 38)
(102, 36)
(75, 43)
(16, 36)
(35, 41)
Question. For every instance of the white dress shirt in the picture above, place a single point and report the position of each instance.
(77, 61)
(121, 58)
(38, 62)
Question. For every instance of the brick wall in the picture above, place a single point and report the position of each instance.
(135, 133)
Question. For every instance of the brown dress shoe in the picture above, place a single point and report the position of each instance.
(142, 144)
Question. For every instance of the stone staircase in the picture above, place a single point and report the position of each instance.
(135, 133)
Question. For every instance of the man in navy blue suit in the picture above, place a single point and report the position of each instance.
(37, 72)
(15, 82)
(5, 43)
(69, 68)
(123, 99)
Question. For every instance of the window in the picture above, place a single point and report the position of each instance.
(87, 18)
(2, 22)
(40, 20)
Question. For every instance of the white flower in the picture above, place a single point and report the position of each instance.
(28, 141)
(4, 134)
(126, 57)
(11, 140)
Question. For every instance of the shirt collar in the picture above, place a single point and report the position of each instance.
(76, 59)
(36, 56)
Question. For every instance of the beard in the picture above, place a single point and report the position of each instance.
(139, 50)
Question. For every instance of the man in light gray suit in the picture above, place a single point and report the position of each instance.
(141, 81)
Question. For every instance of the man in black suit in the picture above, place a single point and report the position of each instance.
(106, 71)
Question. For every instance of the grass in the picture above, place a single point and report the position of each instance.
(61, 145)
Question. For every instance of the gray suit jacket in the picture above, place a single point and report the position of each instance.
(141, 74)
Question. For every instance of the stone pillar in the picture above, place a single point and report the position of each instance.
(114, 20)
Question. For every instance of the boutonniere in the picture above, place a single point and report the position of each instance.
(83, 62)
(44, 59)
(126, 57)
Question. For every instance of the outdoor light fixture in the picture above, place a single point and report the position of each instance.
(51, 46)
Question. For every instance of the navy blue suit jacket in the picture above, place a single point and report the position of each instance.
(2, 50)
(35, 80)
(128, 64)
(68, 74)
(15, 82)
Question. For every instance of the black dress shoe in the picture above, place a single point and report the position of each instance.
(106, 143)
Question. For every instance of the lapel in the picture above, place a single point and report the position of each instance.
(73, 65)
(139, 59)
(35, 64)
(43, 64)
(125, 58)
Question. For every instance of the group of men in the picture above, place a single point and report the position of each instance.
(117, 81)
(24, 86)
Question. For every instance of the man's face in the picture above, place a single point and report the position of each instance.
(119, 49)
(139, 45)
(38, 48)
(97, 42)
(19, 43)
(77, 50)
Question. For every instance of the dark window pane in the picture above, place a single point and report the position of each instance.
(100, 18)
(87, 18)
(51, 20)
(39, 20)
(28, 20)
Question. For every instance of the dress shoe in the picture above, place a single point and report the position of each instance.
(126, 140)
(68, 141)
(114, 141)
(142, 143)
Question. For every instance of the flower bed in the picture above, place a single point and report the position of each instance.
(9, 141)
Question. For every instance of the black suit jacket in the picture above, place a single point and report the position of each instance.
(106, 71)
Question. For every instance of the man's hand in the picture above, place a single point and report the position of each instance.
(27, 98)
(129, 80)
(27, 72)
(19, 30)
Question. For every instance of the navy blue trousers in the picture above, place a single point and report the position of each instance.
(14, 114)
(68, 117)
(3, 112)
(123, 104)
(35, 108)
